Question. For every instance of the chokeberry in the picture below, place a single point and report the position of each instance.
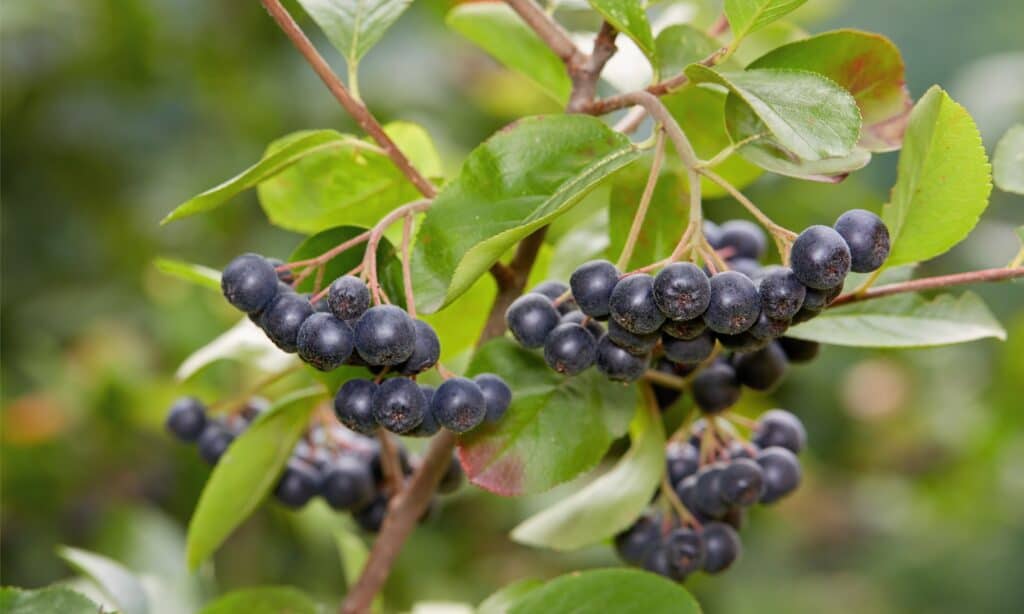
(736, 517)
(767, 328)
(716, 387)
(684, 329)
(187, 418)
(249, 282)
(820, 258)
(618, 364)
(781, 470)
(347, 483)
(214, 442)
(741, 482)
(816, 300)
(592, 285)
(747, 266)
(721, 546)
(746, 239)
(371, 517)
(497, 395)
(761, 369)
(666, 395)
(632, 304)
(743, 342)
(798, 350)
(685, 551)
(682, 460)
(778, 427)
(324, 341)
(348, 297)
(735, 303)
(657, 562)
(682, 291)
(530, 318)
(452, 478)
(426, 350)
(781, 293)
(687, 493)
(298, 484)
(283, 317)
(587, 322)
(459, 404)
(738, 449)
(709, 496)
(630, 341)
(689, 352)
(385, 335)
(868, 238)
(713, 233)
(637, 542)
(554, 290)
(428, 426)
(570, 349)
(353, 405)
(398, 405)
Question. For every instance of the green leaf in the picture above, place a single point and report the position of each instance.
(628, 17)
(333, 187)
(867, 65)
(1008, 161)
(517, 181)
(247, 472)
(556, 428)
(942, 184)
(263, 600)
(502, 600)
(666, 216)
(194, 273)
(415, 142)
(746, 16)
(389, 268)
(496, 29)
(282, 154)
(770, 37)
(354, 26)
(679, 46)
(116, 582)
(610, 503)
(49, 600)
(243, 342)
(804, 113)
(623, 591)
(353, 553)
(905, 321)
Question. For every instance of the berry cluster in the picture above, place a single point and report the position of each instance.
(344, 329)
(715, 476)
(342, 466)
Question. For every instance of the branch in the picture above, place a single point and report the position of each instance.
(585, 73)
(356, 109)
(553, 35)
(931, 283)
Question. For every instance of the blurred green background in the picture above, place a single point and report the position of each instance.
(114, 111)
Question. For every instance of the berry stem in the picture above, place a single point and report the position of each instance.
(931, 283)
(721, 156)
(665, 379)
(326, 257)
(376, 234)
(741, 420)
(389, 462)
(645, 201)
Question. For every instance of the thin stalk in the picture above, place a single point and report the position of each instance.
(645, 201)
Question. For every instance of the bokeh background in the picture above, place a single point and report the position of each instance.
(114, 111)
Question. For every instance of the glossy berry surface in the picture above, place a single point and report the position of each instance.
(682, 460)
(778, 427)
(353, 405)
(633, 307)
(553, 290)
(684, 549)
(735, 303)
(761, 369)
(214, 442)
(743, 342)
(592, 284)
(867, 237)
(716, 387)
(746, 239)
(530, 318)
(721, 546)
(348, 297)
(497, 395)
(283, 317)
(459, 405)
(249, 282)
(630, 341)
(426, 350)
(684, 329)
(637, 542)
(324, 341)
(689, 352)
(298, 484)
(429, 425)
(187, 418)
(766, 329)
(618, 364)
(385, 336)
(798, 350)
(348, 483)
(820, 258)
(781, 470)
(570, 349)
(781, 292)
(398, 405)
(709, 497)
(682, 291)
(741, 482)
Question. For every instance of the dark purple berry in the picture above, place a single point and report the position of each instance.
(816, 300)
(778, 427)
(618, 364)
(348, 483)
(761, 369)
(781, 293)
(632, 304)
(721, 546)
(709, 497)
(798, 350)
(298, 484)
(371, 517)
(284, 275)
(459, 405)
(531, 317)
(426, 350)
(592, 285)
(734, 305)
(452, 478)
(324, 341)
(353, 405)
(743, 342)
(570, 349)
(685, 551)
(283, 317)
(497, 395)
(214, 442)
(820, 258)
(684, 329)
(249, 282)
(746, 239)
(187, 418)
(867, 237)
(428, 427)
(781, 473)
(741, 482)
(689, 352)
(348, 297)
(630, 341)
(398, 405)
(682, 460)
(766, 329)
(716, 388)
(637, 542)
(385, 335)
(553, 290)
(587, 322)
(682, 291)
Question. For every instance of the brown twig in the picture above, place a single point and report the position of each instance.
(390, 464)
(585, 73)
(376, 234)
(931, 283)
(553, 35)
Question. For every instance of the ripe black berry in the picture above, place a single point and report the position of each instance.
(779, 427)
(587, 322)
(766, 329)
(747, 266)
(709, 496)
(630, 341)
(282, 318)
(713, 234)
(353, 405)
(249, 282)
(570, 349)
(497, 395)
(459, 404)
(632, 304)
(746, 239)
(689, 352)
(820, 258)
(743, 342)
(214, 442)
(741, 482)
(684, 329)
(298, 484)
(530, 318)
(734, 305)
(781, 473)
(685, 551)
(682, 460)
(657, 562)
(429, 425)
(371, 517)
(816, 300)
(868, 238)
(781, 292)
(637, 542)
(721, 546)
(426, 350)
(618, 364)
(798, 350)
(324, 341)
(398, 405)
(682, 291)
(716, 387)
(761, 369)
(348, 297)
(592, 286)
(553, 290)
(187, 418)
(347, 483)
(385, 335)
(665, 395)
